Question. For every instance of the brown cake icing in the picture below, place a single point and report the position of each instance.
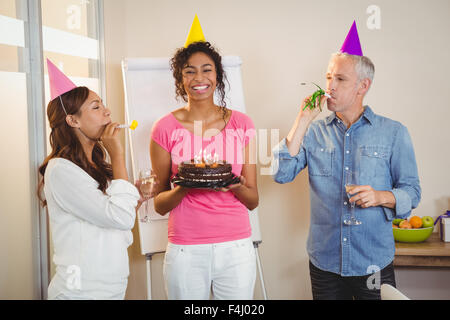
(202, 172)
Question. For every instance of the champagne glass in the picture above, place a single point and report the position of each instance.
(147, 179)
(351, 182)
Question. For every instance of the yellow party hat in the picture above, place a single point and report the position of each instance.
(195, 33)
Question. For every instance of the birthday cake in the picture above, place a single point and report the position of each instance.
(193, 171)
(205, 171)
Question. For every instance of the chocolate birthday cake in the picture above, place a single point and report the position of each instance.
(194, 171)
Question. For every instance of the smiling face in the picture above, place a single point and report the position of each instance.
(199, 77)
(92, 117)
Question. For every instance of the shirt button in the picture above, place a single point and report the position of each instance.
(321, 149)
(347, 152)
(346, 168)
(375, 153)
(345, 239)
(345, 203)
(348, 134)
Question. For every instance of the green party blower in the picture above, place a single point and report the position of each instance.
(317, 95)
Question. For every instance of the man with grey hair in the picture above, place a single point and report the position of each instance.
(350, 257)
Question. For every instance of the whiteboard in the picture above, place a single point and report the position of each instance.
(149, 95)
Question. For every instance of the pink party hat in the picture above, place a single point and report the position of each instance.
(351, 44)
(59, 83)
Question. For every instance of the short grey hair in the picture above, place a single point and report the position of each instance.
(363, 65)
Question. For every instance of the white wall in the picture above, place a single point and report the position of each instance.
(283, 43)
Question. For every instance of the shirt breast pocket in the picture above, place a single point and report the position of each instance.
(374, 164)
(320, 161)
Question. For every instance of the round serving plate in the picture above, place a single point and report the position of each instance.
(205, 185)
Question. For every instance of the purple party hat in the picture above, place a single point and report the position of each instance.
(351, 44)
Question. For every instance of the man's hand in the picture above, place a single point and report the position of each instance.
(366, 196)
(309, 115)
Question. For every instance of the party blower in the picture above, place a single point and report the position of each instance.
(316, 96)
(132, 126)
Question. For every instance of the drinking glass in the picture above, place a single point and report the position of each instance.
(147, 179)
(351, 181)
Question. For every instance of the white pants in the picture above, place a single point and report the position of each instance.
(91, 290)
(226, 270)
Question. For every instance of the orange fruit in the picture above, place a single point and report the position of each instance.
(416, 222)
(405, 225)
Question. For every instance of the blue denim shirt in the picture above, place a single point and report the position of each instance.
(380, 150)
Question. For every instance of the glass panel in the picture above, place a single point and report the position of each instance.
(16, 252)
(74, 16)
(10, 58)
(70, 40)
(8, 8)
(13, 41)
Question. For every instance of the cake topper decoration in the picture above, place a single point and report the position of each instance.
(203, 158)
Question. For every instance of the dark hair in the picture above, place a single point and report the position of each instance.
(180, 59)
(65, 143)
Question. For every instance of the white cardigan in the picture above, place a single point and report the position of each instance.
(91, 231)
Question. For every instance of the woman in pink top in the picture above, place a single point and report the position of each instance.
(209, 249)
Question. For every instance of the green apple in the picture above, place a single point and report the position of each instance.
(427, 222)
(397, 221)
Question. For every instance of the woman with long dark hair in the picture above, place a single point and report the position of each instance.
(91, 204)
(209, 249)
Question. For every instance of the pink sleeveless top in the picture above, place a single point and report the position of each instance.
(205, 216)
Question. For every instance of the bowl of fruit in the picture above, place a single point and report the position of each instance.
(416, 229)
